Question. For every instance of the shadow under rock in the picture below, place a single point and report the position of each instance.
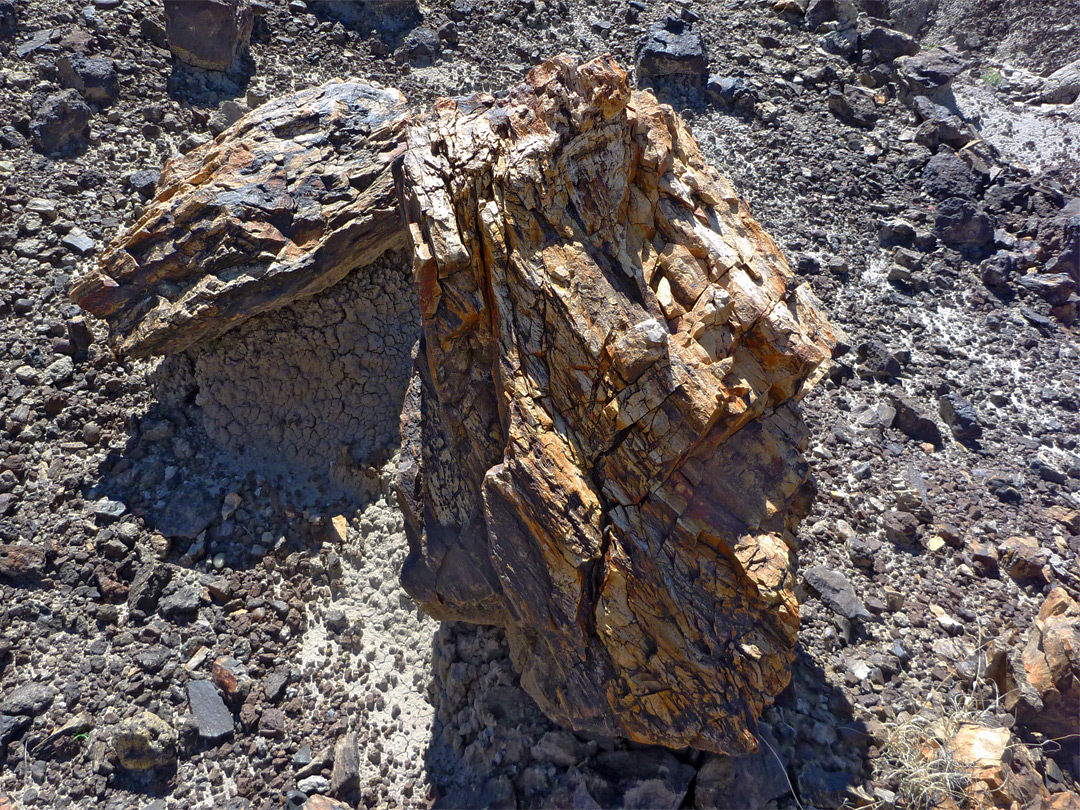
(492, 747)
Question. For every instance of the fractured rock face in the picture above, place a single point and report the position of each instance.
(600, 450)
(281, 206)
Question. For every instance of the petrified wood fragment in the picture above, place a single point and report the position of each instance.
(600, 451)
(278, 207)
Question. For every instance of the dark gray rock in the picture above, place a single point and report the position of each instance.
(190, 510)
(93, 77)
(819, 12)
(854, 106)
(146, 588)
(423, 44)
(754, 780)
(671, 50)
(882, 44)
(730, 91)
(183, 599)
(843, 42)
(30, 699)
(11, 727)
(1054, 287)
(836, 592)
(940, 125)
(212, 717)
(946, 175)
(960, 416)
(62, 124)
(153, 658)
(108, 510)
(961, 223)
(144, 182)
(345, 777)
(9, 19)
(877, 362)
(930, 72)
(78, 242)
(1063, 85)
(822, 788)
(208, 34)
(652, 778)
(912, 420)
(1049, 469)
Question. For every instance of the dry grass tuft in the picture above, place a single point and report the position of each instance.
(916, 756)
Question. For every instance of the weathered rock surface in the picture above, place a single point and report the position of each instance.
(600, 448)
(62, 123)
(208, 33)
(279, 207)
(1042, 686)
(145, 741)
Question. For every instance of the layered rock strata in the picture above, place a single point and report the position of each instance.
(600, 448)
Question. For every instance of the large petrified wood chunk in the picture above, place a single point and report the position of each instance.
(600, 450)
(280, 206)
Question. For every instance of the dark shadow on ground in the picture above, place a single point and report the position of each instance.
(492, 746)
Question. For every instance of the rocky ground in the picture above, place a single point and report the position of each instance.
(145, 569)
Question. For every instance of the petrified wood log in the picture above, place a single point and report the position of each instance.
(280, 206)
(600, 451)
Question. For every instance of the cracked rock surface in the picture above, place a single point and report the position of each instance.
(613, 470)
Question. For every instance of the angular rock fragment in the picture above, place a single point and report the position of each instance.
(298, 194)
(212, 717)
(671, 49)
(93, 77)
(62, 124)
(1063, 85)
(145, 741)
(208, 33)
(601, 452)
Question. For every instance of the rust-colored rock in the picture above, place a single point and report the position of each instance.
(1042, 686)
(280, 206)
(600, 448)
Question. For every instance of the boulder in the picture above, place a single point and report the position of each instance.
(1042, 679)
(671, 49)
(1063, 85)
(961, 223)
(600, 449)
(946, 175)
(62, 124)
(930, 72)
(284, 206)
(881, 44)
(93, 77)
(753, 780)
(819, 12)
(208, 34)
